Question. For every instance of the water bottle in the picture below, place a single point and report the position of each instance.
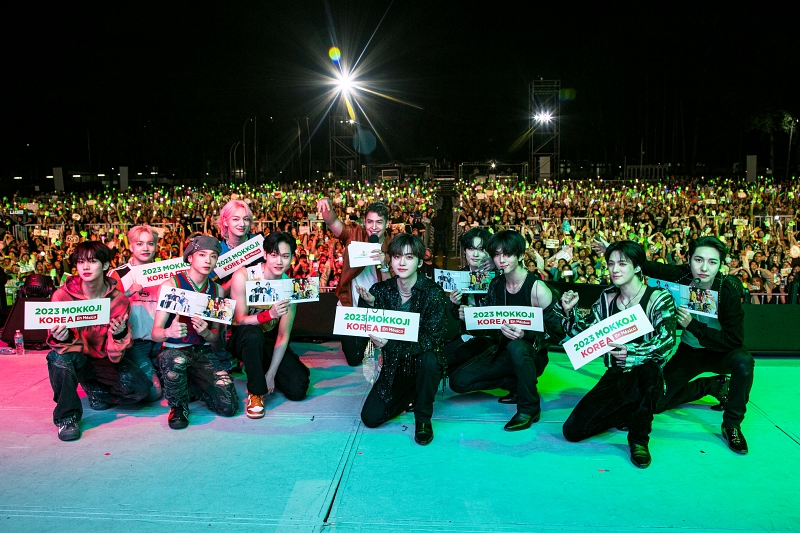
(19, 343)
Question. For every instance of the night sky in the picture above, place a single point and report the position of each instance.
(170, 85)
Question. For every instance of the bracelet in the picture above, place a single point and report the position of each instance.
(263, 317)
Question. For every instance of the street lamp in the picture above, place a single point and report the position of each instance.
(231, 165)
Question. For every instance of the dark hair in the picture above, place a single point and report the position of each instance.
(507, 241)
(272, 241)
(378, 208)
(630, 249)
(468, 238)
(399, 243)
(90, 250)
(711, 242)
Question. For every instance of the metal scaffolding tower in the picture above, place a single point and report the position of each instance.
(344, 158)
(545, 128)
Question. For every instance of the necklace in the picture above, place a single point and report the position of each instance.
(515, 288)
(405, 295)
(630, 302)
(196, 288)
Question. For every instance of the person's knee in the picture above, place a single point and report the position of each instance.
(458, 384)
(353, 352)
(62, 360)
(570, 432)
(297, 391)
(742, 363)
(373, 414)
(519, 350)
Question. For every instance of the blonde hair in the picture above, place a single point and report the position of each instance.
(137, 230)
(227, 212)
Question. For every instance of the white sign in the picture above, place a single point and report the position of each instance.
(72, 314)
(551, 243)
(596, 340)
(32, 206)
(190, 303)
(740, 222)
(520, 316)
(466, 282)
(157, 272)
(53, 234)
(362, 322)
(244, 254)
(359, 253)
(265, 292)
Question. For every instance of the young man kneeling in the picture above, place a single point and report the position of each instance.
(411, 371)
(92, 355)
(188, 362)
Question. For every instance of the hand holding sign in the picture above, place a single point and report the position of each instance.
(380, 343)
(177, 330)
(118, 326)
(60, 333)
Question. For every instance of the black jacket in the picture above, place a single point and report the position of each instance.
(731, 314)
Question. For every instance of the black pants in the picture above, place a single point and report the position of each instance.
(688, 363)
(353, 348)
(619, 398)
(191, 372)
(419, 390)
(457, 352)
(518, 367)
(114, 383)
(254, 348)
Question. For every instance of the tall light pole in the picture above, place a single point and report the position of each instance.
(236, 147)
(244, 151)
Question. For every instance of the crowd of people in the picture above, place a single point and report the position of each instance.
(560, 221)
(618, 238)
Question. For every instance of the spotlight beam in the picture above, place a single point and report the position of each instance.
(371, 37)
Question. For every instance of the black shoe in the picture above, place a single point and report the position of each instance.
(722, 395)
(521, 421)
(424, 433)
(640, 455)
(410, 408)
(510, 398)
(735, 439)
(97, 404)
(68, 429)
(178, 416)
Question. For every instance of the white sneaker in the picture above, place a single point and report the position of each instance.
(255, 406)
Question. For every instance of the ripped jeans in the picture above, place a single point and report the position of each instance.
(114, 383)
(191, 372)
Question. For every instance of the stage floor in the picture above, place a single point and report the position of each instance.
(311, 466)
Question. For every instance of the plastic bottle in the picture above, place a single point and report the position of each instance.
(19, 343)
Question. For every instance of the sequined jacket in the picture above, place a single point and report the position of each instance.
(657, 346)
(400, 357)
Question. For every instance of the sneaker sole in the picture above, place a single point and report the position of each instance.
(259, 415)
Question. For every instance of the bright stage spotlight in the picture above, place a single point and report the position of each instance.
(543, 117)
(345, 82)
